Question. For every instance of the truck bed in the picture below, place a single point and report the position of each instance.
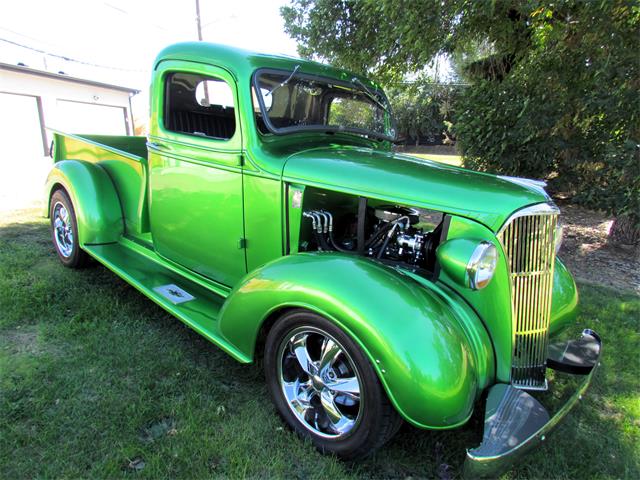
(124, 158)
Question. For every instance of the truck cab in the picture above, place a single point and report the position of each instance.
(267, 210)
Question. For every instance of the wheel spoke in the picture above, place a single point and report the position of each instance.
(330, 407)
(330, 350)
(63, 230)
(339, 422)
(299, 396)
(299, 347)
(320, 382)
(349, 386)
(64, 215)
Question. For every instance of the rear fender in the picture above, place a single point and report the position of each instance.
(95, 201)
(411, 336)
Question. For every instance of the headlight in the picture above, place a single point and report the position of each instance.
(482, 265)
(469, 262)
(559, 235)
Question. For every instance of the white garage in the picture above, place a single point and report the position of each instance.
(31, 101)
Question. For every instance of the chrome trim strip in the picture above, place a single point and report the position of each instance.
(537, 185)
(537, 209)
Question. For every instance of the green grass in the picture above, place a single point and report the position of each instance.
(455, 160)
(97, 381)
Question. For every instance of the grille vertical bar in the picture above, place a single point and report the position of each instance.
(529, 244)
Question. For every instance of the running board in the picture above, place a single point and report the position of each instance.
(194, 303)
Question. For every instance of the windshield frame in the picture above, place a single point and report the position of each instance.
(323, 128)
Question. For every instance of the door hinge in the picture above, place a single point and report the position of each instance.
(242, 243)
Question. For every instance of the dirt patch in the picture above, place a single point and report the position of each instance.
(590, 258)
(21, 341)
(25, 341)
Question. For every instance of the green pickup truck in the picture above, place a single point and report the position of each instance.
(268, 212)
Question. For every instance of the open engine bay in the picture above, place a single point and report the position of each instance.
(394, 234)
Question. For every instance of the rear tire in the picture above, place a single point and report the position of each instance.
(64, 231)
(325, 387)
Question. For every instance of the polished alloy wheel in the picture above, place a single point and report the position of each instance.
(320, 382)
(63, 230)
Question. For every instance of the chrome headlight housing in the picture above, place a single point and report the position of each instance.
(482, 265)
(470, 263)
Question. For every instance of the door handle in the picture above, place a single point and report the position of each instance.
(157, 146)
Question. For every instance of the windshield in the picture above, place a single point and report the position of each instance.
(291, 102)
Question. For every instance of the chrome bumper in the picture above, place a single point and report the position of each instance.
(515, 421)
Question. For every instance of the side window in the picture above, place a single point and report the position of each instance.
(199, 105)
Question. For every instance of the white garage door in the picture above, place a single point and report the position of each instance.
(23, 164)
(90, 118)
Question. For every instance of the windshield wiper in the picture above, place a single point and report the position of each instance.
(373, 96)
(270, 92)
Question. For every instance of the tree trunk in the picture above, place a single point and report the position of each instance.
(625, 230)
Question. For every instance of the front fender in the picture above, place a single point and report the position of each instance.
(564, 300)
(96, 203)
(413, 339)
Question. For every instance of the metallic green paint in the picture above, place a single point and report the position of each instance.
(263, 219)
(492, 303)
(95, 201)
(126, 168)
(564, 302)
(145, 270)
(196, 186)
(201, 213)
(414, 339)
(454, 256)
(411, 181)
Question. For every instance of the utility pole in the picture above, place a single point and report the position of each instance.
(199, 24)
(198, 20)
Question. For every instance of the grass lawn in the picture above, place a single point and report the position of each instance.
(97, 381)
(455, 160)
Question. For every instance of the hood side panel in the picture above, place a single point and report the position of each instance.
(411, 181)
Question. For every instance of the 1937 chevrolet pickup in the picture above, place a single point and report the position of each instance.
(266, 210)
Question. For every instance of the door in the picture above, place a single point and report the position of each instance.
(195, 177)
(90, 118)
(22, 151)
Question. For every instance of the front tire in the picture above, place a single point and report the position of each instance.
(325, 388)
(64, 231)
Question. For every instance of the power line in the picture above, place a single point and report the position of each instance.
(69, 59)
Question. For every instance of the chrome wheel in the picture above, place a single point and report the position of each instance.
(320, 382)
(63, 231)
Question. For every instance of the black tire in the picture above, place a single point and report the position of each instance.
(66, 246)
(376, 420)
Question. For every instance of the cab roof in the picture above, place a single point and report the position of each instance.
(242, 63)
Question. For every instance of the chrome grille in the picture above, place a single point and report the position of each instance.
(528, 240)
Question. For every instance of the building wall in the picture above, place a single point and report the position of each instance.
(30, 102)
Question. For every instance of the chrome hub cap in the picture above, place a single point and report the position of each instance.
(320, 382)
(62, 231)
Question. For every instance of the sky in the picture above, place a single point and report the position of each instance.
(126, 35)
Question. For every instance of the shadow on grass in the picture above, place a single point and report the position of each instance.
(110, 384)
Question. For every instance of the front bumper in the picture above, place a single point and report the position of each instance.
(515, 422)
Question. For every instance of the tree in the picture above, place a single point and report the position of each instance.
(423, 110)
(554, 86)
